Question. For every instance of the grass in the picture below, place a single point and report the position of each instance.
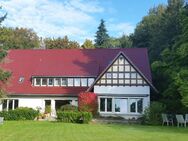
(55, 131)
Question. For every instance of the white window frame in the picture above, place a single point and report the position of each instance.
(35, 82)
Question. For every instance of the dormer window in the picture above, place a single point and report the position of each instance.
(21, 79)
(50, 82)
(37, 81)
(56, 81)
(44, 81)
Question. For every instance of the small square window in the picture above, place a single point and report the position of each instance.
(83, 81)
(121, 60)
(50, 82)
(133, 75)
(64, 82)
(140, 81)
(90, 81)
(21, 79)
(121, 75)
(76, 81)
(127, 81)
(133, 81)
(127, 68)
(109, 81)
(70, 81)
(56, 81)
(127, 75)
(115, 68)
(120, 81)
(114, 75)
(121, 68)
(115, 81)
(102, 81)
(108, 75)
(44, 81)
(37, 81)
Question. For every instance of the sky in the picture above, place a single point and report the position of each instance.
(78, 19)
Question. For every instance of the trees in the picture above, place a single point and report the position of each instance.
(102, 37)
(18, 38)
(60, 43)
(4, 75)
(88, 44)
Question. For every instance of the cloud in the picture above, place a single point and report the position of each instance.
(121, 28)
(52, 18)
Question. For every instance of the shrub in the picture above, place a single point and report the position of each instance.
(87, 102)
(74, 116)
(69, 107)
(48, 109)
(152, 115)
(22, 113)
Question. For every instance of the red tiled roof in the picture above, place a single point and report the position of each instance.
(65, 62)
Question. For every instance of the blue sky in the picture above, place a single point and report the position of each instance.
(78, 19)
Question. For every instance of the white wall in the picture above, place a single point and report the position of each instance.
(122, 90)
(32, 103)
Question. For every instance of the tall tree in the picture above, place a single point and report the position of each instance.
(60, 43)
(102, 36)
(3, 17)
(4, 75)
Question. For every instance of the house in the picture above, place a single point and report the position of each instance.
(120, 77)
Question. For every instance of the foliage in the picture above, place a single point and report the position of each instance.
(48, 109)
(102, 37)
(18, 38)
(22, 113)
(87, 101)
(60, 43)
(152, 115)
(74, 116)
(88, 44)
(69, 107)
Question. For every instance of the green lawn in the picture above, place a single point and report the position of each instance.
(54, 131)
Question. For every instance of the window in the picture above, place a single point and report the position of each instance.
(109, 81)
(121, 105)
(136, 105)
(132, 105)
(50, 82)
(127, 75)
(121, 75)
(121, 68)
(15, 104)
(127, 68)
(56, 81)
(37, 81)
(44, 81)
(133, 81)
(70, 81)
(10, 104)
(102, 104)
(4, 105)
(115, 75)
(115, 68)
(64, 82)
(140, 106)
(140, 81)
(83, 81)
(108, 75)
(90, 81)
(121, 60)
(109, 104)
(133, 75)
(76, 81)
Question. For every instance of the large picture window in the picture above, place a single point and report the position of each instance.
(121, 105)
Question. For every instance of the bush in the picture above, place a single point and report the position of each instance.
(48, 109)
(74, 117)
(22, 113)
(87, 102)
(69, 107)
(152, 115)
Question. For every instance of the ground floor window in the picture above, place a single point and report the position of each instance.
(121, 105)
(10, 104)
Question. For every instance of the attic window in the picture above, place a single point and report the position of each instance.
(21, 79)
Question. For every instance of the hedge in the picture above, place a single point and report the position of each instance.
(74, 116)
(22, 113)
